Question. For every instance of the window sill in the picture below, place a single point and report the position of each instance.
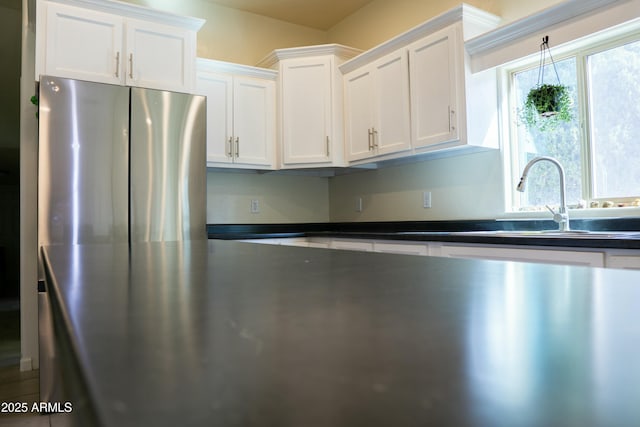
(615, 212)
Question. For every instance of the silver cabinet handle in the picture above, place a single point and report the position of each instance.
(451, 113)
(230, 152)
(374, 137)
(237, 146)
(131, 65)
(117, 64)
(370, 131)
(327, 146)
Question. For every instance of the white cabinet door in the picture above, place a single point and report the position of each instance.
(435, 75)
(377, 108)
(391, 88)
(83, 44)
(253, 121)
(158, 56)
(218, 88)
(306, 110)
(359, 113)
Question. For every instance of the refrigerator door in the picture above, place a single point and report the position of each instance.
(168, 166)
(83, 162)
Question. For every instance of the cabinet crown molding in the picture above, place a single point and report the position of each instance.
(534, 24)
(338, 50)
(215, 66)
(481, 21)
(135, 11)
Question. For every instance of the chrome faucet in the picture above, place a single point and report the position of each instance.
(562, 216)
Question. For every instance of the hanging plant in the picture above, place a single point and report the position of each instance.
(547, 105)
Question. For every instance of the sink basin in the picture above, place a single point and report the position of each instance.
(579, 234)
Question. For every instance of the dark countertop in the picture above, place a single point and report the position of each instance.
(444, 231)
(238, 334)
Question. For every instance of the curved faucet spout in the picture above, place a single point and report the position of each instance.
(562, 216)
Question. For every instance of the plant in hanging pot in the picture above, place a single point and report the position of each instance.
(547, 105)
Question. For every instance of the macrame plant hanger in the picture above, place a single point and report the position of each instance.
(544, 48)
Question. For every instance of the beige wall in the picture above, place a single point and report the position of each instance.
(381, 20)
(237, 36)
(282, 198)
(462, 187)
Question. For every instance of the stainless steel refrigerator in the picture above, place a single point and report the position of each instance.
(119, 164)
(116, 165)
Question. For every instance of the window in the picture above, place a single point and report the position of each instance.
(614, 116)
(600, 148)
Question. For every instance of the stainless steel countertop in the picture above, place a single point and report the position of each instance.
(239, 334)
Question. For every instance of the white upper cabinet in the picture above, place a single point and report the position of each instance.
(434, 89)
(307, 125)
(358, 115)
(117, 43)
(415, 93)
(218, 88)
(254, 121)
(240, 114)
(451, 107)
(310, 104)
(377, 108)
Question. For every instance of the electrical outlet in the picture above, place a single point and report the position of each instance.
(359, 204)
(255, 206)
(426, 199)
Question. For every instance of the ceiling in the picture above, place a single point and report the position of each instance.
(320, 14)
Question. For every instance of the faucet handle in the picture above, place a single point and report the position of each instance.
(560, 218)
